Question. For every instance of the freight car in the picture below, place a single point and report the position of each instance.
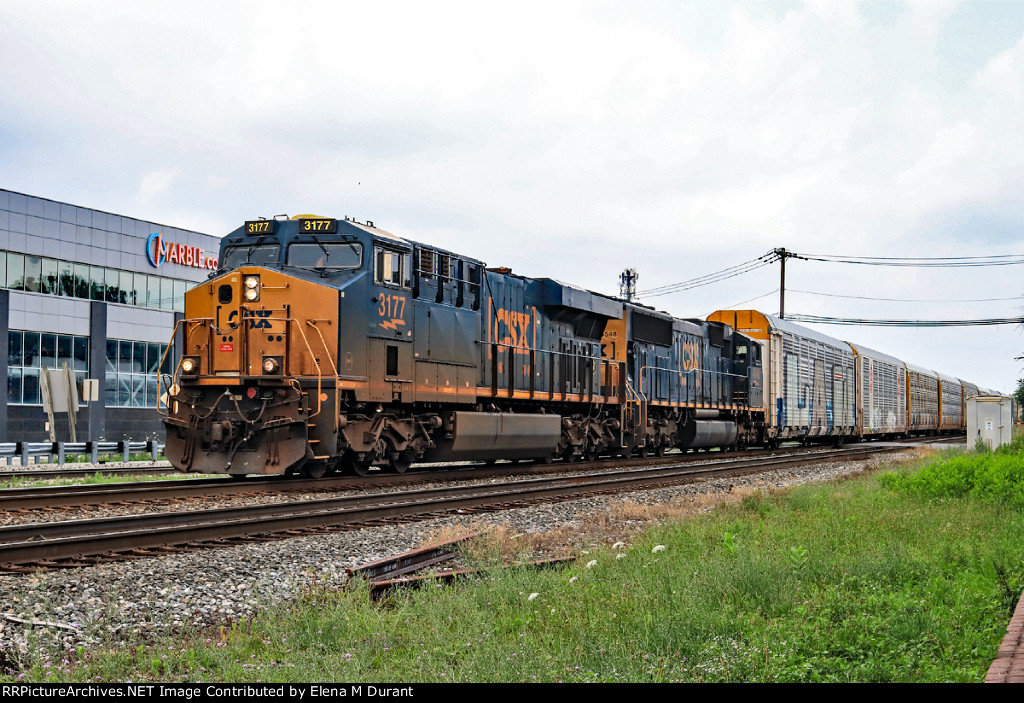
(825, 389)
(323, 344)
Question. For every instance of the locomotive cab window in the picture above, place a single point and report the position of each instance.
(391, 267)
(330, 255)
(250, 254)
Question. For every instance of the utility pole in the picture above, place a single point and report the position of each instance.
(627, 284)
(783, 255)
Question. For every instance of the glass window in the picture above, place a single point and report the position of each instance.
(131, 378)
(153, 292)
(127, 293)
(15, 271)
(97, 283)
(81, 351)
(140, 289)
(250, 254)
(153, 357)
(138, 391)
(64, 352)
(82, 289)
(124, 357)
(168, 357)
(124, 390)
(152, 391)
(14, 347)
(111, 355)
(110, 391)
(329, 255)
(112, 278)
(48, 351)
(3, 269)
(166, 294)
(139, 357)
(33, 272)
(14, 385)
(49, 283)
(67, 278)
(179, 296)
(30, 387)
(28, 352)
(391, 267)
(30, 356)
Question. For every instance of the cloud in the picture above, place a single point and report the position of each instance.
(566, 139)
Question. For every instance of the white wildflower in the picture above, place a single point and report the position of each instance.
(592, 563)
(659, 548)
(620, 556)
(574, 579)
(618, 545)
(532, 596)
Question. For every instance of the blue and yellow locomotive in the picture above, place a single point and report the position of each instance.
(323, 344)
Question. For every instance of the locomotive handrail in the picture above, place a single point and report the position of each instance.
(498, 347)
(334, 368)
(713, 374)
(159, 380)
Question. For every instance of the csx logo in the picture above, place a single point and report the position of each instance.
(513, 329)
(691, 356)
(260, 319)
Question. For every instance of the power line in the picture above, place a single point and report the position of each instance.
(707, 279)
(820, 319)
(734, 306)
(920, 261)
(908, 300)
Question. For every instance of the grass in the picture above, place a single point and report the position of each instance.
(88, 479)
(881, 578)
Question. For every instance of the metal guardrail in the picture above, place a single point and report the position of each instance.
(25, 451)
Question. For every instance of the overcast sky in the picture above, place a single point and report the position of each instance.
(565, 139)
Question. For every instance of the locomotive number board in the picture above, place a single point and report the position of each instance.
(259, 226)
(320, 224)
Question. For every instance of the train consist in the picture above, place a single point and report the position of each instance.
(326, 344)
(821, 388)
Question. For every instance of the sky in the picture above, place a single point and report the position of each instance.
(568, 140)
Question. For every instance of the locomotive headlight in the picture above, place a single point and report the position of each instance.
(251, 286)
(272, 365)
(190, 365)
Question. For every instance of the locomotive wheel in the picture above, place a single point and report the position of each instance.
(401, 463)
(643, 452)
(360, 467)
(660, 451)
(591, 452)
(314, 469)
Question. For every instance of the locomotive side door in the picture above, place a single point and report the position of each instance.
(390, 340)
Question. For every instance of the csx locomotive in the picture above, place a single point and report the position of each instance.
(326, 343)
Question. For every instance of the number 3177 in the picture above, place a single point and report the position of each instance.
(391, 306)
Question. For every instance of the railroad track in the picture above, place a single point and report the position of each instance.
(85, 542)
(68, 497)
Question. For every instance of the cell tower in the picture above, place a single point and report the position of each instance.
(627, 284)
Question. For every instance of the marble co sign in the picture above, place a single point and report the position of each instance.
(159, 252)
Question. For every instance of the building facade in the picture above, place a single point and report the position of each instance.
(97, 291)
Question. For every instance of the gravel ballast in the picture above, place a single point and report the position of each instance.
(120, 602)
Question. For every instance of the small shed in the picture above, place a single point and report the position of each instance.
(989, 418)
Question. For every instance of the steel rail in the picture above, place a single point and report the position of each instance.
(48, 542)
(35, 497)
